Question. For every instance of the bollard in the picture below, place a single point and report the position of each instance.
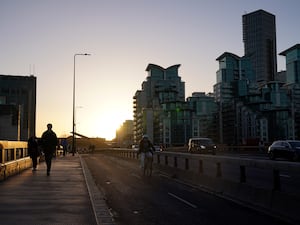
(166, 160)
(200, 166)
(219, 171)
(242, 174)
(276, 180)
(187, 167)
(158, 159)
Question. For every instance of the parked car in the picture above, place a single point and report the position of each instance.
(289, 149)
(202, 145)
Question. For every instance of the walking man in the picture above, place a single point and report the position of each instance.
(49, 143)
(33, 151)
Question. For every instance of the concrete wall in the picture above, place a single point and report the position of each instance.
(13, 158)
(14, 167)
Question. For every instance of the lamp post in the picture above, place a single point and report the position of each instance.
(73, 133)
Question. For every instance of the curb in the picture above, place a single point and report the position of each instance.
(101, 211)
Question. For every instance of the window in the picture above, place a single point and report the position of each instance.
(2, 100)
(284, 144)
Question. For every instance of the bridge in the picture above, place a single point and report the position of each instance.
(63, 199)
(68, 196)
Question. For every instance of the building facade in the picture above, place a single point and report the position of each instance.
(17, 107)
(259, 36)
(255, 102)
(251, 111)
(124, 135)
(159, 108)
(204, 115)
(161, 111)
(293, 87)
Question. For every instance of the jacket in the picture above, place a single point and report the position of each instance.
(49, 142)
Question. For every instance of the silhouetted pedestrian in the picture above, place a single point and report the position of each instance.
(49, 143)
(64, 144)
(33, 151)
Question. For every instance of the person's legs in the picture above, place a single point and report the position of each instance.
(48, 158)
(34, 163)
(148, 164)
(142, 159)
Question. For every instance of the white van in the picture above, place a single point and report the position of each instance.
(202, 145)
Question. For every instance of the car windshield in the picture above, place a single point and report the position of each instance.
(295, 144)
(204, 142)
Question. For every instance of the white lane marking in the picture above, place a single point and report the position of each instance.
(135, 175)
(184, 201)
(284, 175)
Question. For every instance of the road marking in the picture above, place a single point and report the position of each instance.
(284, 175)
(163, 175)
(135, 175)
(184, 201)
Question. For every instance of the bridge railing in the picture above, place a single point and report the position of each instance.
(13, 158)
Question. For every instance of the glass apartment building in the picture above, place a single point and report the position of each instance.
(259, 36)
(292, 55)
(160, 108)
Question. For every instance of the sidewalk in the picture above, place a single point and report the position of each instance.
(68, 196)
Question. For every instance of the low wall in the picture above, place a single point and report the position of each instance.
(193, 169)
(13, 158)
(14, 167)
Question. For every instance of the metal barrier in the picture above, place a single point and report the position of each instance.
(13, 158)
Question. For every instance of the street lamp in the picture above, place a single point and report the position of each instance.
(73, 133)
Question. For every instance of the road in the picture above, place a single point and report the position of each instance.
(160, 200)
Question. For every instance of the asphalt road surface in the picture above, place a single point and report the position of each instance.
(161, 200)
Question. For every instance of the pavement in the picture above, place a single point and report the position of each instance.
(68, 196)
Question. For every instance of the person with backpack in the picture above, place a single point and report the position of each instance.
(49, 142)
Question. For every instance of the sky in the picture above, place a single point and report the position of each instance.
(41, 37)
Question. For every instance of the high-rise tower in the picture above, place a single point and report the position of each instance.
(259, 36)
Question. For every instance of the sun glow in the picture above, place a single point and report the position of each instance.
(104, 126)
